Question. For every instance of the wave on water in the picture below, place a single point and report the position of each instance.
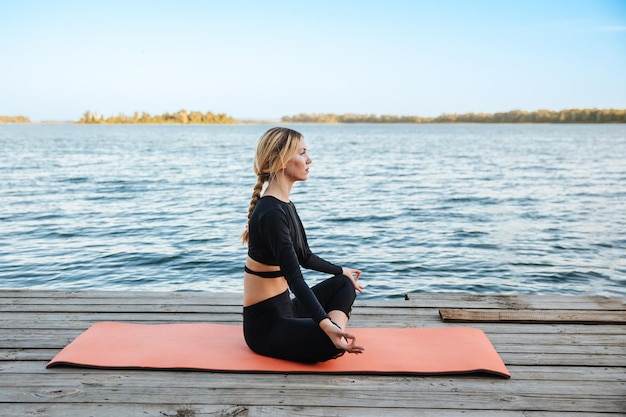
(476, 209)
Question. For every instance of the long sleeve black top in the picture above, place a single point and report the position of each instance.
(277, 237)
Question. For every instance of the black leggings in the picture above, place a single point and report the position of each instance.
(280, 327)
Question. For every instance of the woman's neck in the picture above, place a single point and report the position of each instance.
(279, 188)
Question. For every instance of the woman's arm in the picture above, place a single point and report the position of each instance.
(318, 264)
(312, 261)
(275, 228)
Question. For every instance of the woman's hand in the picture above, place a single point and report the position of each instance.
(354, 275)
(342, 340)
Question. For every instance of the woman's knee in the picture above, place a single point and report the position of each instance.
(344, 295)
(348, 285)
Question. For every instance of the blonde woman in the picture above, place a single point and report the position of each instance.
(311, 327)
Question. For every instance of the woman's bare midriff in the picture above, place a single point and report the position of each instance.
(257, 289)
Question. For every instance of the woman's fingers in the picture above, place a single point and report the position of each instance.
(358, 287)
(355, 349)
(340, 338)
(354, 275)
(351, 347)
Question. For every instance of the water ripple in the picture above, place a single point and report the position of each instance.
(480, 209)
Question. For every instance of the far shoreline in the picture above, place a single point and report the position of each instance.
(65, 123)
(282, 123)
(182, 117)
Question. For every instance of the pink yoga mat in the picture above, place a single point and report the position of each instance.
(218, 347)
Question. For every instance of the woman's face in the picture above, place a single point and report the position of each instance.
(297, 168)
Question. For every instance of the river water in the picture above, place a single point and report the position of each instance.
(534, 209)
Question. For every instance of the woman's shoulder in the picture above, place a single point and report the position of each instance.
(271, 211)
(271, 201)
(269, 204)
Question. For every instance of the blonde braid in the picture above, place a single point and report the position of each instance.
(256, 195)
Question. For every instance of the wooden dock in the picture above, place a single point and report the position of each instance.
(567, 357)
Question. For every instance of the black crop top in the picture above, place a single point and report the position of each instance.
(276, 237)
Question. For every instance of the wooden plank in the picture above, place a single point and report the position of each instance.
(534, 316)
(198, 409)
(267, 382)
(571, 374)
(67, 376)
(14, 322)
(156, 316)
(547, 343)
(70, 375)
(120, 296)
(521, 301)
(439, 300)
(547, 373)
(54, 330)
(120, 308)
(424, 395)
(509, 358)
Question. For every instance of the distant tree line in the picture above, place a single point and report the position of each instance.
(180, 117)
(14, 119)
(514, 116)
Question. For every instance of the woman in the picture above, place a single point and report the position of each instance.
(311, 327)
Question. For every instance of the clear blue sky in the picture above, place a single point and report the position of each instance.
(267, 59)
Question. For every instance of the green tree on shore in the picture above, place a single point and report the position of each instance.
(180, 117)
(514, 116)
(14, 119)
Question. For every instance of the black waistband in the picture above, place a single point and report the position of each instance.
(265, 274)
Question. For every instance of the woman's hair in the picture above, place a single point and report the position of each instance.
(275, 148)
